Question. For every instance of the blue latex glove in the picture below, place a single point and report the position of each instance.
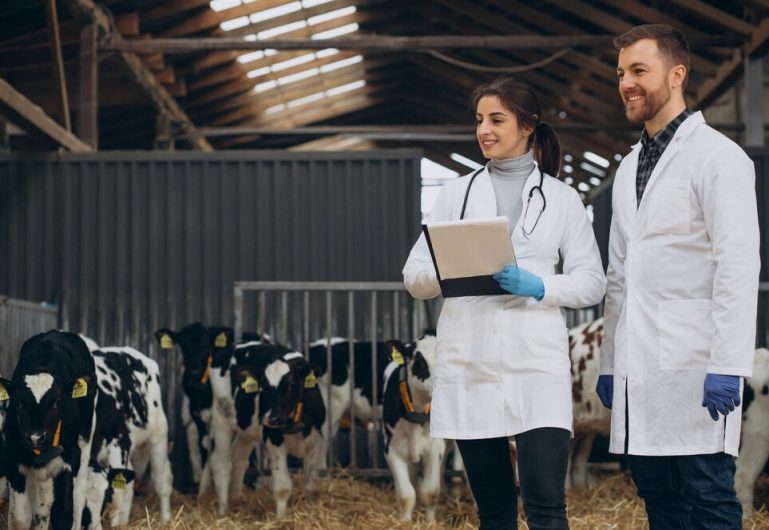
(605, 389)
(520, 282)
(722, 394)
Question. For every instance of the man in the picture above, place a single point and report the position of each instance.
(681, 295)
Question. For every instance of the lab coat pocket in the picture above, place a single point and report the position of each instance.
(669, 211)
(685, 334)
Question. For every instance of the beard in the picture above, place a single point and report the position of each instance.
(653, 102)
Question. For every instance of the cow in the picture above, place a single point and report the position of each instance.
(407, 393)
(102, 484)
(591, 418)
(367, 375)
(131, 431)
(293, 415)
(52, 399)
(196, 346)
(754, 434)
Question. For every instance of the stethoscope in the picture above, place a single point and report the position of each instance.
(537, 188)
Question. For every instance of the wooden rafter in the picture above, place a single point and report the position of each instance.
(89, 101)
(716, 16)
(164, 102)
(25, 114)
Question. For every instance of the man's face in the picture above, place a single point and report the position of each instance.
(643, 80)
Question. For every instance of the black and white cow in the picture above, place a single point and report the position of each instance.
(131, 432)
(408, 390)
(754, 434)
(102, 485)
(196, 346)
(51, 415)
(294, 414)
(341, 400)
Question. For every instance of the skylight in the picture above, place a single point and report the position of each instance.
(336, 32)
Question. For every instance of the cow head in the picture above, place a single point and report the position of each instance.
(286, 380)
(419, 357)
(44, 393)
(199, 346)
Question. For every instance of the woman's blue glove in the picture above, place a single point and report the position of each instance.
(722, 394)
(520, 282)
(605, 389)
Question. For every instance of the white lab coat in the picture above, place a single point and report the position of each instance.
(682, 292)
(502, 362)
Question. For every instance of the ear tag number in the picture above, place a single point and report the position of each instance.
(250, 385)
(80, 388)
(310, 381)
(165, 342)
(4, 395)
(221, 340)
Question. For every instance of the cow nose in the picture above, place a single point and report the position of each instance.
(38, 439)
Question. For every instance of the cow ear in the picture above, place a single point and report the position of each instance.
(397, 352)
(82, 385)
(166, 338)
(6, 391)
(221, 337)
(119, 478)
(318, 369)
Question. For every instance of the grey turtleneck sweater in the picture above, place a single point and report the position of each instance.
(508, 176)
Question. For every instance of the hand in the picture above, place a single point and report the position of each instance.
(520, 282)
(722, 394)
(605, 389)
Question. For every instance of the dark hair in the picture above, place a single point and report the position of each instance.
(519, 98)
(670, 42)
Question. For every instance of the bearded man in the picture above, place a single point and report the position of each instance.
(682, 293)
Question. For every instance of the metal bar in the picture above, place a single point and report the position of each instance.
(283, 318)
(262, 316)
(329, 364)
(351, 377)
(373, 439)
(237, 297)
(306, 324)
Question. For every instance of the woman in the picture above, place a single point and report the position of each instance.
(502, 362)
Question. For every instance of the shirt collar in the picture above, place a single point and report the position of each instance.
(663, 137)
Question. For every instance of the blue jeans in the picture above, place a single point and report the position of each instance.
(688, 492)
(543, 456)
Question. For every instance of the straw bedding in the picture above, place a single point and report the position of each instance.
(344, 502)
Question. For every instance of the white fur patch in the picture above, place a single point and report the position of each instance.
(292, 355)
(39, 384)
(329, 342)
(275, 372)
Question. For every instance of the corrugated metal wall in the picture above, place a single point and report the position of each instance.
(129, 242)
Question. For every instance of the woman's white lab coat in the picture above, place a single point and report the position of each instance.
(502, 362)
(681, 300)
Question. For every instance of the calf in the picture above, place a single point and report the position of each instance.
(591, 418)
(293, 416)
(366, 374)
(131, 429)
(408, 388)
(102, 484)
(49, 427)
(754, 434)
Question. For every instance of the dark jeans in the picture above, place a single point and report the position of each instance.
(688, 492)
(543, 455)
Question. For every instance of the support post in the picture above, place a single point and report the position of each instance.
(754, 102)
(88, 124)
(60, 81)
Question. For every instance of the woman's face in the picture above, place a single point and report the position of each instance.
(497, 130)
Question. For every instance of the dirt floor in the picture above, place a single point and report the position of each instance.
(344, 502)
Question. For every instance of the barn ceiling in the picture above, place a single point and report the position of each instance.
(357, 94)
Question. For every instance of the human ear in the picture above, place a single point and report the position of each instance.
(677, 75)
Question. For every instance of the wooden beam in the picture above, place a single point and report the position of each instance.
(89, 99)
(59, 81)
(28, 116)
(373, 43)
(716, 16)
(164, 102)
(731, 69)
(173, 8)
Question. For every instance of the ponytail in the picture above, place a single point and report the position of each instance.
(547, 148)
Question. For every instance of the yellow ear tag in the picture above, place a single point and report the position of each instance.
(396, 356)
(250, 385)
(310, 380)
(221, 340)
(4, 396)
(165, 342)
(80, 388)
(119, 482)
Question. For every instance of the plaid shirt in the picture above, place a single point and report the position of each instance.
(651, 151)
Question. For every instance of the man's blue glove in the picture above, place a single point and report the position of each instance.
(722, 394)
(520, 282)
(605, 389)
